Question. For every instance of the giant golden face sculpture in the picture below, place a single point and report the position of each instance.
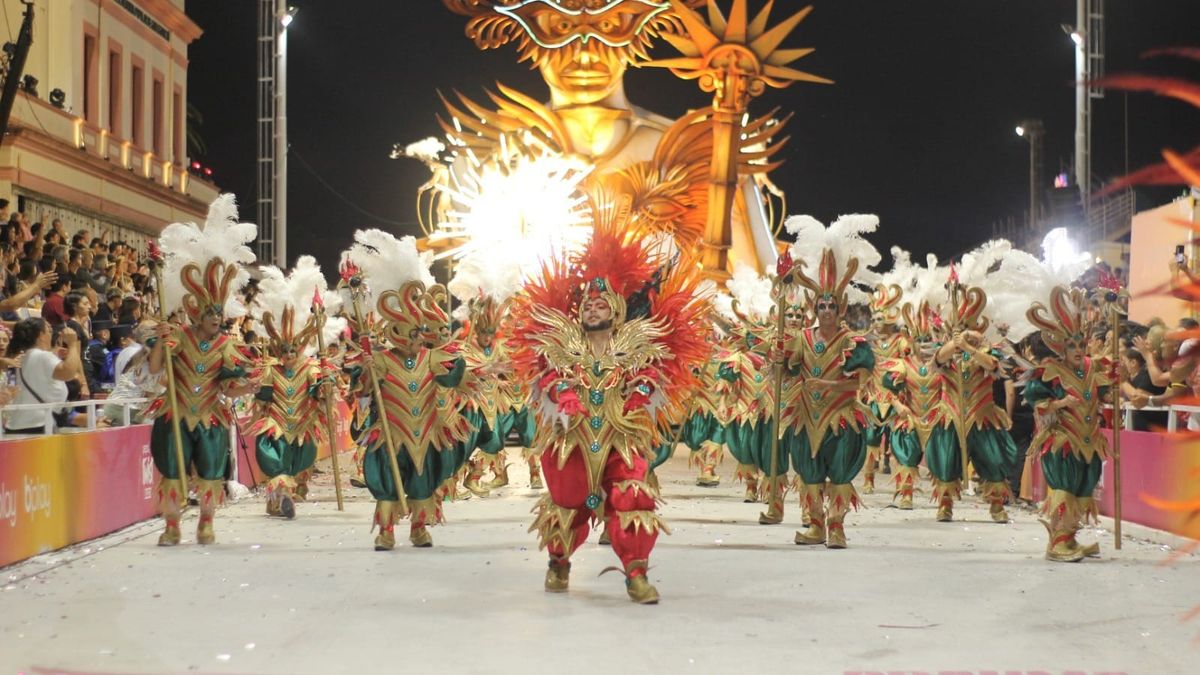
(581, 47)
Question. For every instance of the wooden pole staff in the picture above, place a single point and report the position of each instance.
(318, 310)
(172, 403)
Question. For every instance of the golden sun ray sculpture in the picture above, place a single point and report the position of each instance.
(735, 58)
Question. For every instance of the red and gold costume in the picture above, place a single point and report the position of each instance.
(889, 343)
(598, 410)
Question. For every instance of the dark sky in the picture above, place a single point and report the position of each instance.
(918, 128)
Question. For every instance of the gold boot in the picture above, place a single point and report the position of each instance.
(709, 457)
(836, 535)
(638, 587)
(301, 492)
(535, 473)
(210, 493)
(170, 535)
(501, 471)
(873, 454)
(944, 493)
(204, 530)
(1063, 511)
(945, 512)
(419, 537)
(811, 498)
(906, 478)
(996, 493)
(558, 576)
(474, 480)
(1061, 546)
(171, 507)
(841, 498)
(385, 518)
(774, 514)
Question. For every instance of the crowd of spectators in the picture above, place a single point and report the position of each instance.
(72, 308)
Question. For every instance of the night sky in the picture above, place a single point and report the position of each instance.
(918, 127)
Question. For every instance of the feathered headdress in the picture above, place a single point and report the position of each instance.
(1022, 280)
(889, 292)
(839, 255)
(484, 288)
(966, 287)
(285, 302)
(637, 284)
(1065, 322)
(205, 267)
(923, 299)
(400, 287)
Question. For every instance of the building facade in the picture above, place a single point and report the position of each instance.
(101, 141)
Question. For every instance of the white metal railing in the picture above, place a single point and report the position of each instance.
(1172, 418)
(89, 405)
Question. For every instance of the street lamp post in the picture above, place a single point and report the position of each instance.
(285, 15)
(1033, 131)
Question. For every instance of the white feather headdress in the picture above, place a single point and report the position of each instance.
(387, 263)
(204, 285)
(844, 238)
(751, 292)
(289, 298)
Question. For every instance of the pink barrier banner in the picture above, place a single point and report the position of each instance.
(1155, 468)
(249, 473)
(63, 489)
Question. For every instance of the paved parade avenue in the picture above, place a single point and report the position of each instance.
(311, 596)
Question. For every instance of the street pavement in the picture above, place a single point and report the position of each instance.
(311, 596)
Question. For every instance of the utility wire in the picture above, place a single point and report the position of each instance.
(309, 168)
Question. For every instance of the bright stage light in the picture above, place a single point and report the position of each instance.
(523, 208)
(1020, 131)
(1060, 252)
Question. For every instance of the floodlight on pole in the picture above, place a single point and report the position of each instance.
(1021, 131)
(1032, 130)
(288, 16)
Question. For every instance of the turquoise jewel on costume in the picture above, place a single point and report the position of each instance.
(441, 402)
(199, 367)
(924, 389)
(758, 378)
(289, 373)
(204, 345)
(644, 389)
(816, 370)
(816, 396)
(194, 410)
(196, 389)
(596, 397)
(592, 501)
(596, 422)
(1087, 395)
(412, 386)
(291, 391)
(487, 351)
(563, 386)
(595, 446)
(1079, 373)
(966, 356)
(819, 348)
(1087, 419)
(416, 410)
(595, 367)
(410, 363)
(923, 370)
(291, 411)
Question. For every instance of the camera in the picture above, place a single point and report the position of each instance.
(1180, 257)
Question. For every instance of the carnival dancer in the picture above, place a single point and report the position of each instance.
(290, 403)
(1066, 391)
(413, 379)
(200, 271)
(972, 364)
(822, 418)
(485, 289)
(610, 338)
(889, 342)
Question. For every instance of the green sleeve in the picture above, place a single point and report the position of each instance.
(265, 394)
(890, 383)
(452, 378)
(863, 357)
(1037, 391)
(231, 373)
(727, 373)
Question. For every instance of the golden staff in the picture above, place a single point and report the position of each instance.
(355, 283)
(1112, 297)
(156, 261)
(783, 279)
(318, 310)
(736, 58)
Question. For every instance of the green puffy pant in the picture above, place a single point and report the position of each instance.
(1071, 473)
(839, 458)
(492, 442)
(205, 448)
(992, 452)
(277, 457)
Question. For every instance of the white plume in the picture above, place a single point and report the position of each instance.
(277, 292)
(387, 263)
(474, 276)
(845, 238)
(928, 284)
(427, 149)
(976, 265)
(222, 236)
(751, 291)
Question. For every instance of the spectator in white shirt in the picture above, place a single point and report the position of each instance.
(42, 375)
